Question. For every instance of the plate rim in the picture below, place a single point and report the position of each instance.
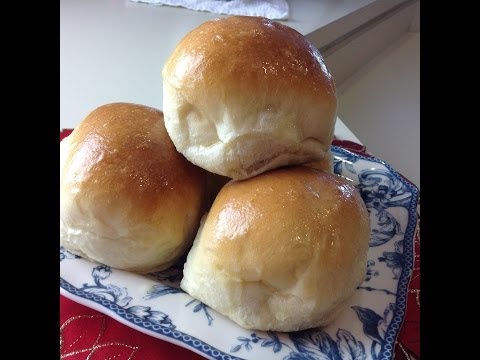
(89, 301)
(388, 347)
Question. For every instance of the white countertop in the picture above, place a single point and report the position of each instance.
(114, 50)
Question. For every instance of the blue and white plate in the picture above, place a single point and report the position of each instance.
(367, 329)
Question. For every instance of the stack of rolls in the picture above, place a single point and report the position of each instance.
(239, 161)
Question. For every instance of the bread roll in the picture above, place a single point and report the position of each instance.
(282, 251)
(242, 95)
(128, 199)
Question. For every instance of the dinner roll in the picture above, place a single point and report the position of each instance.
(242, 95)
(128, 199)
(282, 251)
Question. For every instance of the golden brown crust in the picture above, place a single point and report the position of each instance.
(318, 204)
(246, 53)
(243, 95)
(124, 182)
(281, 251)
(123, 151)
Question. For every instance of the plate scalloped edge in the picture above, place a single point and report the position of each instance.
(344, 164)
(106, 306)
(387, 349)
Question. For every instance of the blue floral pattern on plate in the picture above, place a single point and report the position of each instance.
(366, 330)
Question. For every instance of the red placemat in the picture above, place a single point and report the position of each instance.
(88, 334)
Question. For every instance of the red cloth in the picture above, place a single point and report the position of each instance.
(64, 133)
(88, 334)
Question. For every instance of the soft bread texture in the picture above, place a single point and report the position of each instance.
(243, 95)
(325, 164)
(128, 199)
(282, 251)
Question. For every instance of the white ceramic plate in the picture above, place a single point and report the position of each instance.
(367, 329)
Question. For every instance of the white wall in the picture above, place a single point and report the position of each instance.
(380, 103)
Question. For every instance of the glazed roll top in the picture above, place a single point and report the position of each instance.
(243, 95)
(128, 199)
(282, 251)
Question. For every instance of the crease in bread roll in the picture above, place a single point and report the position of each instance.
(282, 251)
(128, 199)
(243, 95)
